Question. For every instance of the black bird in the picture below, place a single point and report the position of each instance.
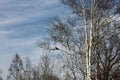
(56, 48)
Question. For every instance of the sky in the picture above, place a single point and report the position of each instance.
(22, 24)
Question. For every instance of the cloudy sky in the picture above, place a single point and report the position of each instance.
(22, 24)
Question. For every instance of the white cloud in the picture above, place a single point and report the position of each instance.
(17, 12)
(10, 21)
(3, 32)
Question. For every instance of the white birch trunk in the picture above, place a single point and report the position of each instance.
(91, 39)
(86, 42)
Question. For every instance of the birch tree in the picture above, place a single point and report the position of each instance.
(92, 11)
(98, 17)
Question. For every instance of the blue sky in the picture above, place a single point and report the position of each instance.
(22, 24)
